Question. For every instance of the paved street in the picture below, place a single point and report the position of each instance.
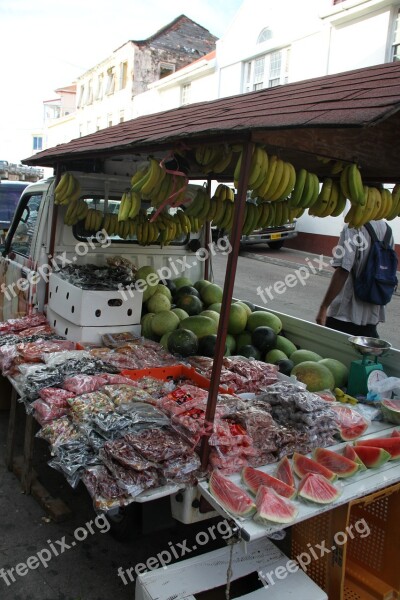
(260, 267)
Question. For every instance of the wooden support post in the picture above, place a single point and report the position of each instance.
(11, 432)
(27, 471)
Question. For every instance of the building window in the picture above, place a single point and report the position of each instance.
(123, 75)
(267, 70)
(81, 94)
(99, 90)
(396, 38)
(121, 116)
(110, 86)
(89, 94)
(98, 123)
(266, 34)
(37, 142)
(109, 120)
(166, 69)
(185, 94)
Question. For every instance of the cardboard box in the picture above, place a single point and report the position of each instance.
(77, 333)
(90, 308)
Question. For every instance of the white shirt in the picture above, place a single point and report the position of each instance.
(351, 254)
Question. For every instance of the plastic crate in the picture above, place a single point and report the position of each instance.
(174, 371)
(93, 307)
(362, 568)
(77, 333)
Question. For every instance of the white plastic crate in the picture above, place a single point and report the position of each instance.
(187, 578)
(91, 308)
(77, 333)
(185, 506)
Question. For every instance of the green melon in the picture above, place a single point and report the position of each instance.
(207, 345)
(164, 340)
(181, 281)
(182, 314)
(316, 377)
(249, 351)
(217, 306)
(163, 289)
(243, 339)
(146, 328)
(245, 306)
(157, 303)
(237, 319)
(230, 343)
(263, 317)
(274, 356)
(285, 345)
(150, 277)
(201, 283)
(183, 342)
(299, 356)
(186, 289)
(191, 304)
(199, 325)
(164, 321)
(211, 293)
(339, 371)
(213, 314)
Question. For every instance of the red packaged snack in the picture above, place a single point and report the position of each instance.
(158, 445)
(45, 412)
(83, 384)
(183, 398)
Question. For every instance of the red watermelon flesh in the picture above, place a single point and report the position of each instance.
(230, 496)
(395, 433)
(284, 471)
(350, 453)
(373, 458)
(254, 478)
(390, 444)
(337, 463)
(351, 423)
(392, 404)
(302, 465)
(272, 507)
(318, 489)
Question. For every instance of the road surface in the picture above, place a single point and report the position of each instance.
(284, 281)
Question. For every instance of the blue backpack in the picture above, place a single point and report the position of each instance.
(378, 280)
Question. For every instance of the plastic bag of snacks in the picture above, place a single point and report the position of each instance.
(183, 398)
(59, 431)
(103, 488)
(85, 406)
(158, 445)
(56, 396)
(83, 384)
(44, 412)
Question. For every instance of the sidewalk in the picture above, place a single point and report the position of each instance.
(287, 257)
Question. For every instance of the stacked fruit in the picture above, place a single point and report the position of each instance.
(330, 201)
(214, 159)
(77, 211)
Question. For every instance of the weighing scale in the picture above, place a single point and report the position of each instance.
(367, 370)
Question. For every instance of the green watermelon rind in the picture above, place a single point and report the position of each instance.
(384, 456)
(389, 413)
(297, 458)
(350, 453)
(251, 507)
(320, 453)
(271, 517)
(390, 444)
(307, 495)
(268, 481)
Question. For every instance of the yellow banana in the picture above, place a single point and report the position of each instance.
(264, 187)
(355, 185)
(276, 179)
(341, 201)
(297, 191)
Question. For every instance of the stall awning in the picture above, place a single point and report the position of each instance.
(351, 115)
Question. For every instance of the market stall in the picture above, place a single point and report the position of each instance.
(349, 118)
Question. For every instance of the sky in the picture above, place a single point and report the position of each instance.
(45, 45)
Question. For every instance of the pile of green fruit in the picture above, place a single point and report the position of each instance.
(184, 316)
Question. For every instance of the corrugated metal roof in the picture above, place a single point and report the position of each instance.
(352, 99)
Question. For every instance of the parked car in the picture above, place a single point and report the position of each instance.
(275, 237)
(10, 193)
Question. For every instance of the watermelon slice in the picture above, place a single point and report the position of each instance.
(316, 488)
(284, 471)
(373, 458)
(395, 433)
(390, 444)
(391, 410)
(350, 453)
(303, 465)
(350, 422)
(272, 507)
(337, 463)
(230, 496)
(254, 478)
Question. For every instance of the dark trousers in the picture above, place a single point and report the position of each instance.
(352, 328)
